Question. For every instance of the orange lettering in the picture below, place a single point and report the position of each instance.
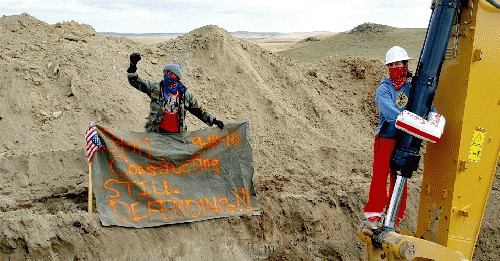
(141, 170)
(215, 164)
(122, 144)
(136, 147)
(162, 210)
(108, 188)
(136, 211)
(243, 196)
(250, 208)
(150, 154)
(135, 169)
(198, 141)
(192, 162)
(233, 208)
(106, 131)
(193, 158)
(226, 137)
(112, 161)
(206, 163)
(152, 170)
(151, 210)
(154, 189)
(144, 191)
(132, 169)
(200, 161)
(188, 204)
(165, 187)
(177, 206)
(235, 139)
(237, 196)
(176, 172)
(184, 166)
(128, 185)
(113, 204)
(213, 140)
(214, 206)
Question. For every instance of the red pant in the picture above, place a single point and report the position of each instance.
(378, 199)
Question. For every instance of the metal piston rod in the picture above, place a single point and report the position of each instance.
(397, 195)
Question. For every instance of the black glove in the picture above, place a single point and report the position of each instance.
(135, 58)
(219, 123)
(132, 68)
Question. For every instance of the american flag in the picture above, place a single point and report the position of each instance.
(93, 141)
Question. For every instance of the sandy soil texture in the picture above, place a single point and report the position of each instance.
(312, 126)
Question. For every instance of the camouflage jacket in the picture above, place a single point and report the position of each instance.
(186, 102)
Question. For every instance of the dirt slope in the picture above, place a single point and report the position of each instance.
(311, 127)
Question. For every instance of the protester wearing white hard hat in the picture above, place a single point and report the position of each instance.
(391, 99)
(396, 54)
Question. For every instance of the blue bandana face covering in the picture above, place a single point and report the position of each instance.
(168, 82)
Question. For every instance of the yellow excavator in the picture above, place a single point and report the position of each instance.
(458, 71)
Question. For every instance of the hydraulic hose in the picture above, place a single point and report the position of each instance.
(406, 156)
(494, 3)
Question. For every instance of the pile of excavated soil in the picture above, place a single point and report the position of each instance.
(312, 127)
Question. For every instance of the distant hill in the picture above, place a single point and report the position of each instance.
(169, 35)
(367, 40)
(239, 34)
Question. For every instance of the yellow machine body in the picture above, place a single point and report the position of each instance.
(459, 169)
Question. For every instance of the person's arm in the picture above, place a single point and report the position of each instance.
(139, 84)
(386, 105)
(133, 77)
(194, 108)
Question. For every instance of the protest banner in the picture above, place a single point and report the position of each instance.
(150, 179)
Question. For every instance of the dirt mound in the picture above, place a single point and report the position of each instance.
(310, 39)
(371, 28)
(312, 163)
(58, 78)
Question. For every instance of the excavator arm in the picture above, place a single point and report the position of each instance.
(461, 58)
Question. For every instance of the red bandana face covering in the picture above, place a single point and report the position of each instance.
(398, 76)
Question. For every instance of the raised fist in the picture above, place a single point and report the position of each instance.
(135, 58)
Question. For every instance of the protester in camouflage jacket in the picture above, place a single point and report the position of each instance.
(160, 94)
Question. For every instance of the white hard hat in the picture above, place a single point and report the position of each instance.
(396, 54)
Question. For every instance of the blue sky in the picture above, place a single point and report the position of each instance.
(149, 16)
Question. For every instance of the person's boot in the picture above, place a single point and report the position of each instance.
(373, 222)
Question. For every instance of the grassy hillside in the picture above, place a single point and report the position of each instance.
(367, 40)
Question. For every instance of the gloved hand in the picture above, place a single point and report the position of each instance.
(219, 123)
(132, 68)
(134, 59)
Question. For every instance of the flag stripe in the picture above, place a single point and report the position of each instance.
(93, 142)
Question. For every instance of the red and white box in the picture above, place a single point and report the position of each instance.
(430, 130)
